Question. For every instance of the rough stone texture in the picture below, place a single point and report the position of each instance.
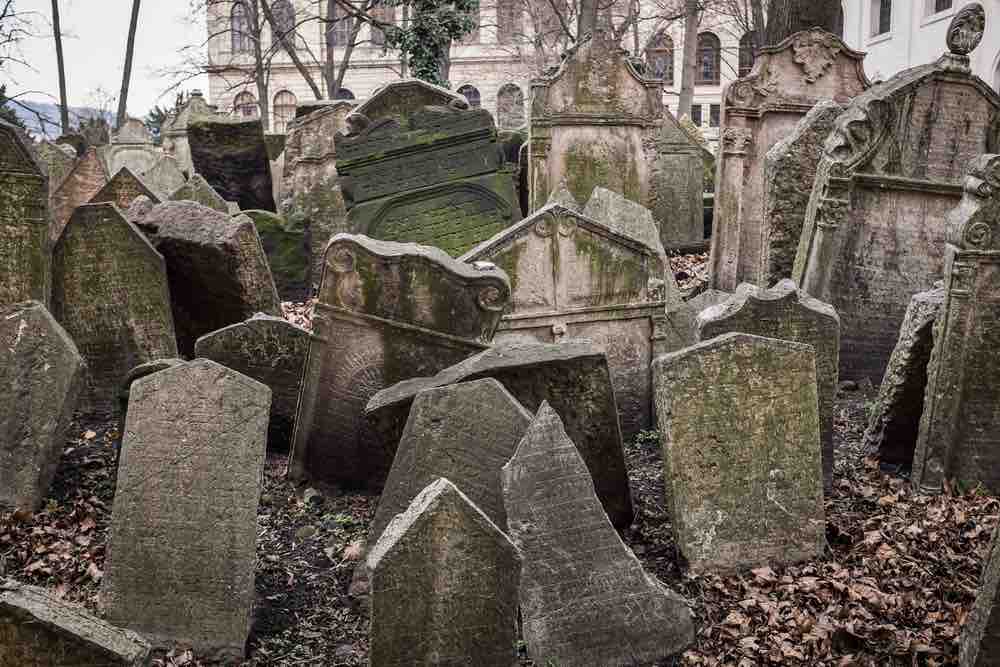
(181, 556)
(165, 175)
(758, 110)
(198, 190)
(979, 644)
(789, 170)
(39, 630)
(895, 422)
(706, 299)
(138, 158)
(41, 375)
(132, 131)
(25, 253)
(109, 291)
(739, 423)
(232, 156)
(444, 585)
(562, 196)
(175, 130)
(625, 217)
(268, 349)
(585, 598)
(892, 169)
(287, 248)
(139, 372)
(400, 99)
(84, 181)
(572, 376)
(216, 265)
(959, 435)
(124, 188)
(58, 160)
(786, 313)
(677, 181)
(385, 312)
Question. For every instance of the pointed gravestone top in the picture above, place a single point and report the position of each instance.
(198, 190)
(626, 217)
(562, 196)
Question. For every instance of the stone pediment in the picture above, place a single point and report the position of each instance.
(400, 98)
(16, 154)
(975, 223)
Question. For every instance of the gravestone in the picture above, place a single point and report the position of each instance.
(110, 293)
(270, 350)
(385, 312)
(979, 644)
(892, 169)
(39, 630)
(231, 154)
(124, 188)
(572, 376)
(676, 183)
(165, 175)
(562, 196)
(286, 245)
(137, 157)
(25, 254)
(181, 552)
(137, 373)
(58, 160)
(739, 424)
(585, 598)
(444, 585)
(786, 313)
(401, 99)
(707, 298)
(198, 190)
(759, 110)
(41, 375)
(959, 436)
(175, 129)
(84, 180)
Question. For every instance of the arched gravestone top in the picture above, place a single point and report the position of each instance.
(401, 98)
(309, 107)
(124, 188)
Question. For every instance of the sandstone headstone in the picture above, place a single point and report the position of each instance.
(165, 175)
(979, 644)
(562, 196)
(585, 598)
(400, 99)
(677, 183)
(444, 585)
(181, 556)
(84, 180)
(739, 423)
(287, 249)
(123, 188)
(175, 129)
(231, 155)
(138, 158)
(41, 375)
(139, 372)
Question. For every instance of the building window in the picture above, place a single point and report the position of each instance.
(338, 27)
(748, 51)
(344, 94)
(714, 111)
(284, 110)
(245, 105)
(510, 107)
(696, 114)
(935, 6)
(284, 23)
(881, 17)
(239, 29)
(385, 14)
(472, 94)
(709, 60)
(472, 37)
(660, 58)
(508, 21)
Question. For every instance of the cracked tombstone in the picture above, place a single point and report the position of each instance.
(182, 545)
(739, 423)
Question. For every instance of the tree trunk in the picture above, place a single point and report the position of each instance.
(404, 60)
(288, 46)
(260, 72)
(444, 65)
(785, 17)
(690, 65)
(63, 106)
(587, 20)
(127, 75)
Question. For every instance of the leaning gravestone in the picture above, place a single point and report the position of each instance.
(174, 130)
(585, 597)
(109, 291)
(740, 429)
(39, 630)
(165, 175)
(41, 375)
(198, 190)
(124, 188)
(979, 644)
(182, 549)
(385, 312)
(784, 312)
(84, 180)
(232, 156)
(286, 243)
(444, 585)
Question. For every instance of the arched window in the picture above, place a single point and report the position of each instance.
(508, 21)
(239, 29)
(386, 14)
(472, 94)
(709, 60)
(660, 58)
(284, 110)
(510, 107)
(748, 51)
(338, 28)
(284, 22)
(344, 94)
(245, 105)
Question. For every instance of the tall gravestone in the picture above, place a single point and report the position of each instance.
(676, 183)
(891, 171)
(979, 644)
(385, 312)
(959, 435)
(124, 188)
(131, 146)
(232, 156)
(739, 424)
(175, 129)
(84, 180)
(182, 549)
(286, 243)
(759, 110)
(110, 293)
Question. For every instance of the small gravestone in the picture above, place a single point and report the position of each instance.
(270, 350)
(124, 188)
(58, 159)
(110, 293)
(182, 548)
(139, 372)
(287, 251)
(444, 585)
(709, 297)
(585, 597)
(41, 375)
(40, 630)
(786, 313)
(979, 644)
(625, 217)
(84, 180)
(198, 190)
(230, 152)
(165, 175)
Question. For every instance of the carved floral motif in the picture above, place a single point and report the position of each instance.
(966, 29)
(736, 139)
(815, 51)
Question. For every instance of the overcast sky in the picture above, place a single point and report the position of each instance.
(94, 37)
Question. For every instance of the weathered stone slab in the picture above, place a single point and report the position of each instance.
(84, 180)
(39, 630)
(198, 190)
(165, 175)
(400, 99)
(139, 372)
(979, 644)
(132, 131)
(175, 129)
(386, 312)
(444, 585)
(676, 183)
(41, 375)
(709, 297)
(59, 160)
(585, 598)
(739, 422)
(232, 156)
(137, 158)
(110, 293)
(181, 556)
(786, 313)
(562, 196)
(270, 350)
(574, 378)
(287, 248)
(124, 188)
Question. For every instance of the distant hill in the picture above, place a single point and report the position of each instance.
(50, 112)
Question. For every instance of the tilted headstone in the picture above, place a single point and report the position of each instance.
(139, 372)
(41, 375)
(444, 585)
(84, 180)
(110, 293)
(124, 188)
(676, 183)
(198, 190)
(892, 169)
(739, 423)
(182, 549)
(286, 244)
(25, 253)
(39, 630)
(400, 99)
(175, 129)
(385, 312)
(585, 597)
(706, 299)
(959, 435)
(165, 175)
(132, 132)
(979, 644)
(574, 378)
(270, 350)
(59, 160)
(786, 313)
(759, 110)
(231, 154)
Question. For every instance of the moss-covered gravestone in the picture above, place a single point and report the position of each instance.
(198, 190)
(739, 420)
(174, 130)
(84, 180)
(285, 244)
(232, 156)
(124, 188)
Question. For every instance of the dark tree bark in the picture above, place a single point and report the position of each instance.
(785, 17)
(587, 20)
(288, 46)
(63, 106)
(689, 66)
(127, 75)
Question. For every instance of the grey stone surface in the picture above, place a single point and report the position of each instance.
(979, 644)
(562, 196)
(585, 598)
(709, 297)
(139, 372)
(82, 182)
(625, 217)
(58, 159)
(165, 175)
(198, 190)
(676, 183)
(124, 188)
(231, 153)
